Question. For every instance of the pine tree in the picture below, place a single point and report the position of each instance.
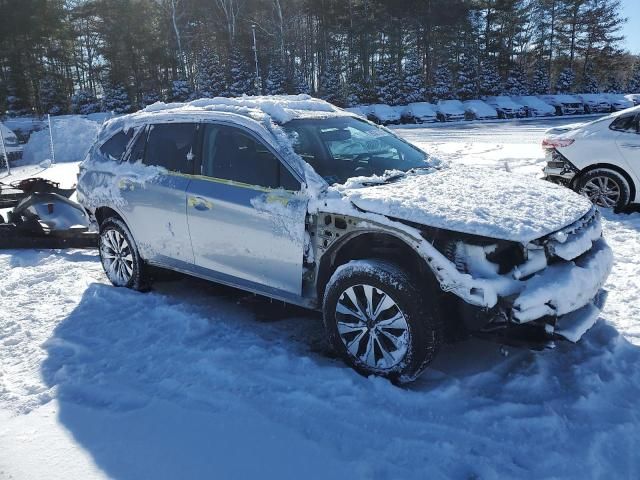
(241, 80)
(298, 83)
(565, 81)
(52, 98)
(467, 81)
(516, 83)
(388, 85)
(413, 85)
(275, 84)
(613, 84)
(633, 84)
(84, 102)
(181, 91)
(540, 79)
(210, 77)
(589, 80)
(116, 99)
(329, 83)
(15, 105)
(441, 89)
(490, 82)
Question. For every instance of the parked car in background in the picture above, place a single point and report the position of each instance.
(633, 97)
(479, 110)
(449, 110)
(564, 104)
(534, 107)
(594, 102)
(383, 114)
(599, 159)
(419, 112)
(401, 251)
(11, 144)
(618, 101)
(506, 107)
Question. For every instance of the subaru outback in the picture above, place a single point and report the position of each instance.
(292, 198)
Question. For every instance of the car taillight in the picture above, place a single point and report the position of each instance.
(556, 142)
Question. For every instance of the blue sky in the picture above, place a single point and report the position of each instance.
(631, 10)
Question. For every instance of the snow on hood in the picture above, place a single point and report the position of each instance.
(475, 201)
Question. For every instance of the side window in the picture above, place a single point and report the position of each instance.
(625, 123)
(115, 147)
(172, 146)
(136, 153)
(231, 154)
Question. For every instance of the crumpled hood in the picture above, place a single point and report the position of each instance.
(474, 200)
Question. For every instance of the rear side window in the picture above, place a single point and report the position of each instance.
(625, 123)
(231, 154)
(115, 147)
(172, 146)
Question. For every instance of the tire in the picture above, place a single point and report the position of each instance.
(120, 257)
(605, 188)
(399, 350)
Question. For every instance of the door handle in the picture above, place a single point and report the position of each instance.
(200, 204)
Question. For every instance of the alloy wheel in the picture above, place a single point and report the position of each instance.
(372, 327)
(117, 257)
(603, 191)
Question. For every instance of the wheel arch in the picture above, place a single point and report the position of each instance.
(102, 213)
(369, 244)
(609, 166)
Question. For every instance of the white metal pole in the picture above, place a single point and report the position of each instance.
(4, 152)
(53, 152)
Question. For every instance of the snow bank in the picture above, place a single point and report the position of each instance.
(73, 136)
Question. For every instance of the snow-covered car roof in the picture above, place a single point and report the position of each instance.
(421, 109)
(503, 101)
(592, 97)
(534, 102)
(450, 106)
(562, 98)
(480, 108)
(384, 111)
(618, 98)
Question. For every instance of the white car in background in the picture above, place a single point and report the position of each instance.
(618, 101)
(450, 110)
(479, 110)
(534, 106)
(633, 97)
(11, 145)
(595, 102)
(383, 114)
(360, 110)
(506, 107)
(599, 159)
(564, 104)
(419, 112)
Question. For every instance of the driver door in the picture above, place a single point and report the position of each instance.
(246, 216)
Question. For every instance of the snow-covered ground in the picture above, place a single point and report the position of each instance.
(195, 380)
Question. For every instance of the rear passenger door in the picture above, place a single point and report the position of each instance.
(245, 218)
(628, 139)
(156, 198)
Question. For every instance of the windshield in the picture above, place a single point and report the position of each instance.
(340, 148)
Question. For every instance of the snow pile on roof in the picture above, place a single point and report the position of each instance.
(451, 107)
(384, 112)
(280, 108)
(421, 110)
(73, 136)
(493, 204)
(480, 108)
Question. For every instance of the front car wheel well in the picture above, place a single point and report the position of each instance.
(370, 245)
(102, 213)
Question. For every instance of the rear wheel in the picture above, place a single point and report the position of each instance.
(605, 188)
(379, 322)
(119, 256)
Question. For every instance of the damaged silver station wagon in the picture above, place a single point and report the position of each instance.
(295, 199)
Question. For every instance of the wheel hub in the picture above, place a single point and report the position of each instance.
(603, 191)
(117, 257)
(372, 327)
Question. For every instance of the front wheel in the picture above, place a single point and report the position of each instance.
(605, 188)
(379, 321)
(119, 256)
